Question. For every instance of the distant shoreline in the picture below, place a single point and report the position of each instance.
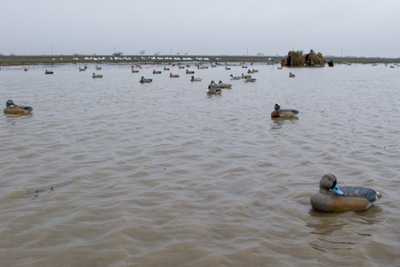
(138, 59)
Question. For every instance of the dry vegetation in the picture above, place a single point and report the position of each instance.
(316, 59)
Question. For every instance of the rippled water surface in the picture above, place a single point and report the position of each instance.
(163, 174)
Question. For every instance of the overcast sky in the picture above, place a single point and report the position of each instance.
(200, 27)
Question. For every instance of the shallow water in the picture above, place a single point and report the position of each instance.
(163, 174)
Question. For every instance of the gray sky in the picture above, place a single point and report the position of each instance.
(201, 27)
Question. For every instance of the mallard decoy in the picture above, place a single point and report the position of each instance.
(97, 76)
(235, 77)
(291, 75)
(212, 90)
(48, 72)
(221, 85)
(193, 79)
(143, 80)
(251, 80)
(330, 198)
(189, 72)
(11, 108)
(173, 75)
(157, 72)
(278, 112)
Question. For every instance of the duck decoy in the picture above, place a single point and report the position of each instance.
(98, 68)
(278, 112)
(212, 90)
(143, 80)
(134, 71)
(97, 76)
(235, 77)
(193, 79)
(330, 198)
(157, 72)
(226, 68)
(221, 85)
(246, 76)
(251, 80)
(48, 72)
(173, 75)
(165, 68)
(11, 108)
(291, 75)
(25, 69)
(189, 71)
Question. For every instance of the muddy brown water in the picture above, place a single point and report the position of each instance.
(163, 174)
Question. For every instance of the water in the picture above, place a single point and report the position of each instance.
(163, 174)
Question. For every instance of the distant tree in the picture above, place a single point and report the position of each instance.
(156, 54)
(1, 55)
(259, 54)
(12, 55)
(142, 52)
(186, 53)
(178, 53)
(75, 54)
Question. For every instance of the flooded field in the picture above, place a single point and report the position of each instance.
(111, 172)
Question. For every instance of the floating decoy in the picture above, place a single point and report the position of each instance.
(97, 76)
(157, 72)
(279, 68)
(221, 85)
(135, 71)
(330, 198)
(212, 90)
(235, 77)
(287, 113)
(251, 80)
(143, 80)
(48, 72)
(189, 72)
(165, 68)
(193, 79)
(246, 76)
(11, 108)
(226, 68)
(98, 68)
(291, 75)
(173, 75)
(244, 67)
(181, 67)
(250, 71)
(25, 69)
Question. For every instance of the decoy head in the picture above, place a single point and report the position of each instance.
(219, 82)
(192, 77)
(212, 81)
(277, 106)
(329, 181)
(9, 103)
(231, 75)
